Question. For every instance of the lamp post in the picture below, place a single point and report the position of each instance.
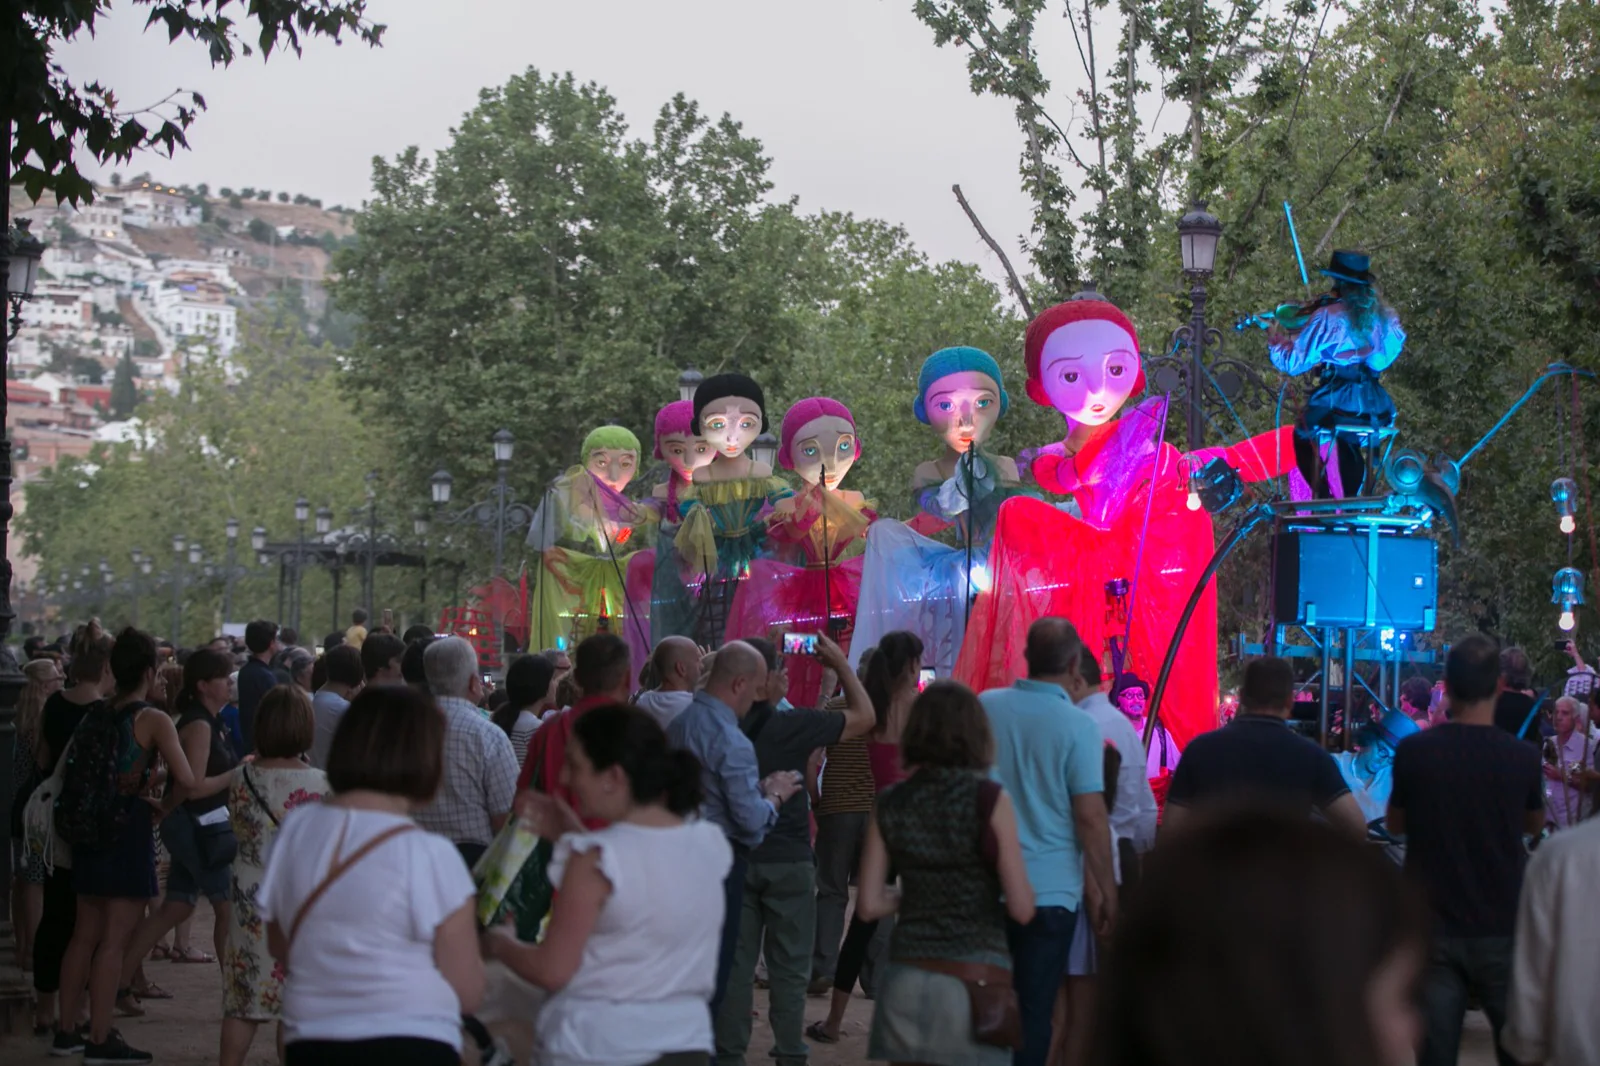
(302, 512)
(231, 528)
(688, 381)
(1203, 383)
(497, 514)
(324, 526)
(180, 545)
(20, 253)
(419, 526)
(369, 574)
(137, 556)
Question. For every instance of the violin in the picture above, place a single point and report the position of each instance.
(1288, 317)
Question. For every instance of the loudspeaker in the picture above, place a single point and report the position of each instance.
(1322, 579)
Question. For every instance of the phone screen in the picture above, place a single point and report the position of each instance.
(925, 678)
(799, 644)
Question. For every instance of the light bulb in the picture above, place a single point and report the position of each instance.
(1569, 524)
(1567, 622)
(1194, 500)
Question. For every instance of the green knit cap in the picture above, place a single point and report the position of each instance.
(615, 437)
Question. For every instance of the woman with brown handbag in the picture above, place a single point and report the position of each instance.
(951, 834)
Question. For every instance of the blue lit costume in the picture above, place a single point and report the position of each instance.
(1352, 345)
(910, 581)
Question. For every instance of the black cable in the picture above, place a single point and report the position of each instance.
(966, 593)
(622, 579)
(1252, 518)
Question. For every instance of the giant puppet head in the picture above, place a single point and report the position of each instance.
(1083, 360)
(729, 412)
(819, 441)
(611, 455)
(961, 393)
(676, 442)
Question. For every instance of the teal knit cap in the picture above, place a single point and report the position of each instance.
(947, 361)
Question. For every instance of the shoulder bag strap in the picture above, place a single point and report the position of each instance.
(339, 868)
(1522, 733)
(244, 772)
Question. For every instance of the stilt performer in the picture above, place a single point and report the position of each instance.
(1353, 336)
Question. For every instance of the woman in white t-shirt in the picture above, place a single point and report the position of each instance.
(631, 952)
(371, 917)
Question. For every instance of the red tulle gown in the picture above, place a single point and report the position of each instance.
(814, 576)
(1130, 490)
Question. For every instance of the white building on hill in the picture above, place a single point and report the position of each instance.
(150, 205)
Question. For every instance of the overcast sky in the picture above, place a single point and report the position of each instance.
(856, 107)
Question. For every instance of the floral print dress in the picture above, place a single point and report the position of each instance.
(252, 981)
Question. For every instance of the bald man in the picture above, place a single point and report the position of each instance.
(676, 661)
(740, 802)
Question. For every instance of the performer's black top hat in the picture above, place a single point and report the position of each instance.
(1354, 267)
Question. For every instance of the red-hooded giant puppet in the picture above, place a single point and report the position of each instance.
(1126, 516)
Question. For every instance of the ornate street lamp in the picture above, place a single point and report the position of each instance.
(439, 487)
(1197, 371)
(765, 449)
(688, 381)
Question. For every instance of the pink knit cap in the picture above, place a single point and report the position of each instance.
(812, 407)
(676, 417)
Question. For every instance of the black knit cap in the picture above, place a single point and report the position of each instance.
(723, 386)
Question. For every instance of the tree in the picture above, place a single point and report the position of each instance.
(124, 389)
(283, 197)
(49, 117)
(260, 231)
(265, 195)
(552, 282)
(225, 193)
(247, 193)
(213, 451)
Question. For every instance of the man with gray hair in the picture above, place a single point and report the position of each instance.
(743, 805)
(480, 769)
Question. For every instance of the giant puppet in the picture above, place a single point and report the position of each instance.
(813, 581)
(727, 501)
(1127, 520)
(665, 600)
(910, 581)
(584, 531)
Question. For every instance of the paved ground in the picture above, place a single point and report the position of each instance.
(184, 1031)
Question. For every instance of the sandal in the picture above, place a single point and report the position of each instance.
(127, 1006)
(151, 990)
(192, 956)
(160, 951)
(816, 1032)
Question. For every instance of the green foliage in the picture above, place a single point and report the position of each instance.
(50, 117)
(259, 231)
(213, 451)
(124, 389)
(1464, 161)
(552, 280)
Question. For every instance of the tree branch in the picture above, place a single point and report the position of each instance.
(1012, 280)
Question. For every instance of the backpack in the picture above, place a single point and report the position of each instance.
(89, 810)
(39, 836)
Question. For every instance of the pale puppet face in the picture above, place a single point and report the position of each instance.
(613, 467)
(730, 425)
(686, 454)
(824, 450)
(963, 407)
(1088, 369)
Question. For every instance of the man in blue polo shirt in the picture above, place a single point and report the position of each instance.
(1049, 756)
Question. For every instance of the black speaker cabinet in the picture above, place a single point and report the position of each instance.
(1357, 579)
